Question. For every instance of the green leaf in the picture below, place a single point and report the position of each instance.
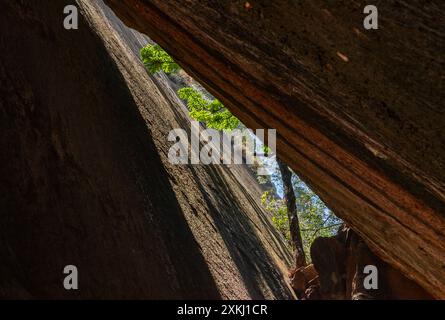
(155, 59)
(212, 113)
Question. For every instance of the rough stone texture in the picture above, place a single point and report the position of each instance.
(84, 176)
(360, 114)
(337, 273)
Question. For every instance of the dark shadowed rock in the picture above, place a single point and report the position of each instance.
(85, 178)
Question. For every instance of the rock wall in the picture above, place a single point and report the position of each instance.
(359, 113)
(85, 180)
(337, 272)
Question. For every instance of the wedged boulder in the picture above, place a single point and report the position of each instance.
(329, 256)
(340, 269)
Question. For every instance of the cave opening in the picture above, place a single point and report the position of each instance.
(329, 260)
(88, 182)
(315, 219)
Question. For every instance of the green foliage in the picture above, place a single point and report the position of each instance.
(156, 59)
(278, 212)
(266, 150)
(212, 113)
(316, 220)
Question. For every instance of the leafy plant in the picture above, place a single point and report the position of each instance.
(278, 212)
(212, 113)
(316, 220)
(155, 59)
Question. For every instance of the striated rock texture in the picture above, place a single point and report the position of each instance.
(360, 114)
(84, 176)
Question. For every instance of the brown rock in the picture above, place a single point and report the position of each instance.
(340, 262)
(328, 256)
(366, 133)
(85, 179)
(302, 278)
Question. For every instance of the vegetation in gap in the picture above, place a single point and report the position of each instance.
(155, 59)
(309, 217)
(315, 219)
(212, 113)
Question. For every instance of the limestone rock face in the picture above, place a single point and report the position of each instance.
(85, 180)
(359, 114)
